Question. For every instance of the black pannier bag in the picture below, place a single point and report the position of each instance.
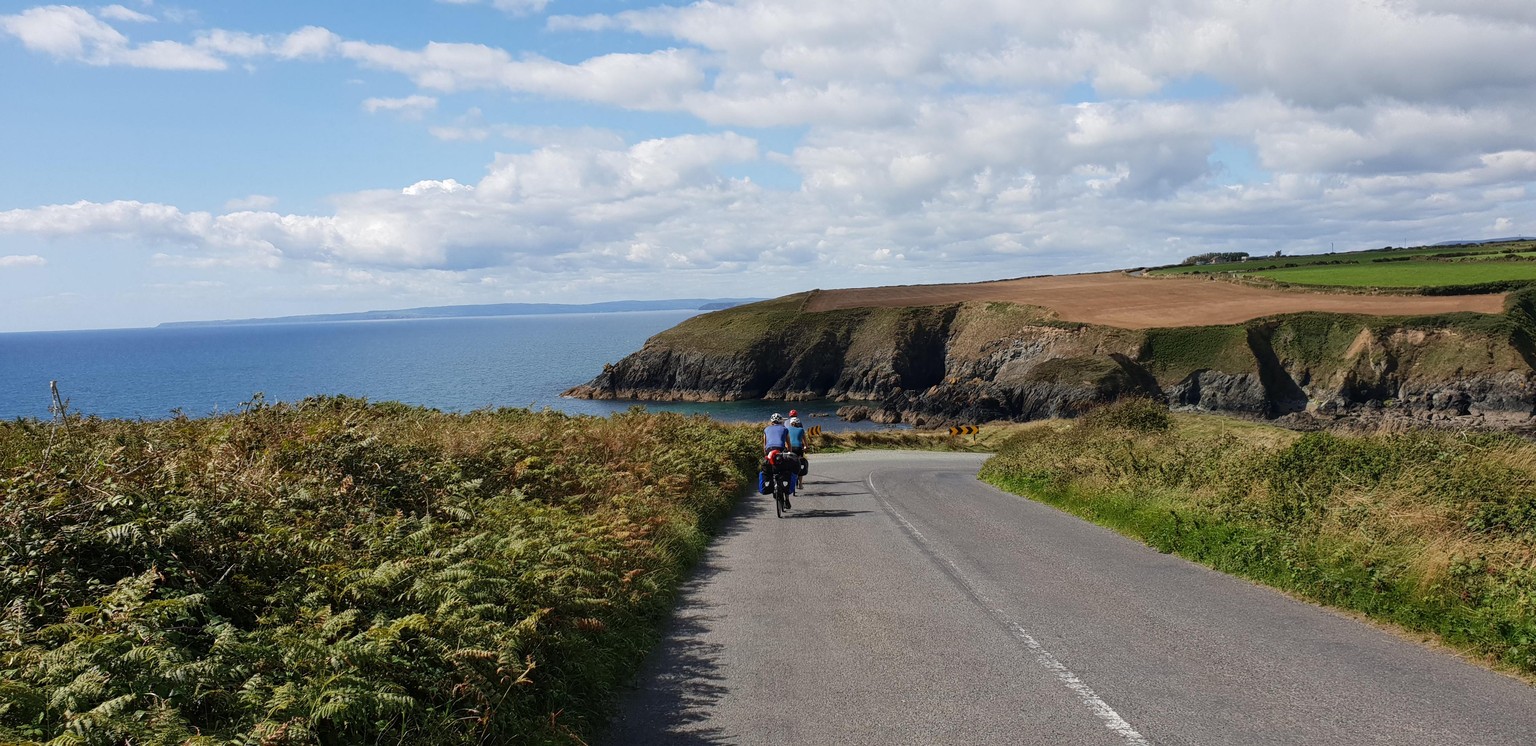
(783, 463)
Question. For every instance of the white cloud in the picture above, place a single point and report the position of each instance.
(1313, 52)
(647, 81)
(72, 33)
(894, 141)
(447, 186)
(647, 167)
(462, 133)
(61, 31)
(66, 32)
(410, 107)
(232, 43)
(252, 202)
(188, 285)
(515, 7)
(765, 100)
(120, 13)
(472, 128)
(530, 208)
(310, 42)
(22, 260)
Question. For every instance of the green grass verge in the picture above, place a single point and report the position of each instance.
(340, 572)
(1434, 532)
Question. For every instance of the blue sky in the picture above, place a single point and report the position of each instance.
(176, 161)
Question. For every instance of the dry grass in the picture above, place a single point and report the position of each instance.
(988, 439)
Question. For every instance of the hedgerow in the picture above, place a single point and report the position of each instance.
(339, 572)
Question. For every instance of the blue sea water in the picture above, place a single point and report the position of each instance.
(458, 364)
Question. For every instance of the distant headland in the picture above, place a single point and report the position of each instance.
(490, 309)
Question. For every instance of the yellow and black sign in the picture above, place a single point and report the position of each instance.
(964, 430)
(815, 430)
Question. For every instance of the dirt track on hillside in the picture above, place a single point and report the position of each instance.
(1118, 299)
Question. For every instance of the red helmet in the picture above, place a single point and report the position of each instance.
(793, 413)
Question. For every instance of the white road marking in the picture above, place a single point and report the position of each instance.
(1085, 693)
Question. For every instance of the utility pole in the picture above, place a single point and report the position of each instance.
(58, 408)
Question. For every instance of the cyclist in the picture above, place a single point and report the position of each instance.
(775, 436)
(797, 440)
(775, 445)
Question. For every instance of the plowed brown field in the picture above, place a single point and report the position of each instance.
(1118, 299)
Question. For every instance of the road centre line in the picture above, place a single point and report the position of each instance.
(1070, 680)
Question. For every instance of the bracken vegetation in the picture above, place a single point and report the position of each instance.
(339, 572)
(1433, 531)
(917, 440)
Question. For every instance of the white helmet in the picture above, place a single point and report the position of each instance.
(794, 421)
(776, 418)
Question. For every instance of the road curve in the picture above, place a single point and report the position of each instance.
(904, 602)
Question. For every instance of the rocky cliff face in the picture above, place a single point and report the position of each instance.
(773, 351)
(976, 362)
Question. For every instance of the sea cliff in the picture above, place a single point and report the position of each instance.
(938, 365)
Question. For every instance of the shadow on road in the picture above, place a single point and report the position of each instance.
(823, 513)
(813, 487)
(681, 681)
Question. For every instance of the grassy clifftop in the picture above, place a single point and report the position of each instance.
(734, 330)
(742, 329)
(774, 349)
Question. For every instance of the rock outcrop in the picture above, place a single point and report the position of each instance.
(933, 366)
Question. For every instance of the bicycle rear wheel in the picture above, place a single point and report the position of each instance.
(778, 497)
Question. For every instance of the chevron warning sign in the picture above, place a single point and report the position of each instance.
(815, 430)
(964, 430)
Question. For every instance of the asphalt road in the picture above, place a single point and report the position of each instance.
(904, 602)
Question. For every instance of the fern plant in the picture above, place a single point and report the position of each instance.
(335, 571)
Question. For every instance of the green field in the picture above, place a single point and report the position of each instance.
(1404, 274)
(1421, 267)
(1276, 262)
(1498, 256)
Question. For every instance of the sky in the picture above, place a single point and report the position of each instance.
(172, 161)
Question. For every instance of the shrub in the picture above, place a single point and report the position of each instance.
(1136, 414)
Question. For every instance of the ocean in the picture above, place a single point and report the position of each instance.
(456, 364)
